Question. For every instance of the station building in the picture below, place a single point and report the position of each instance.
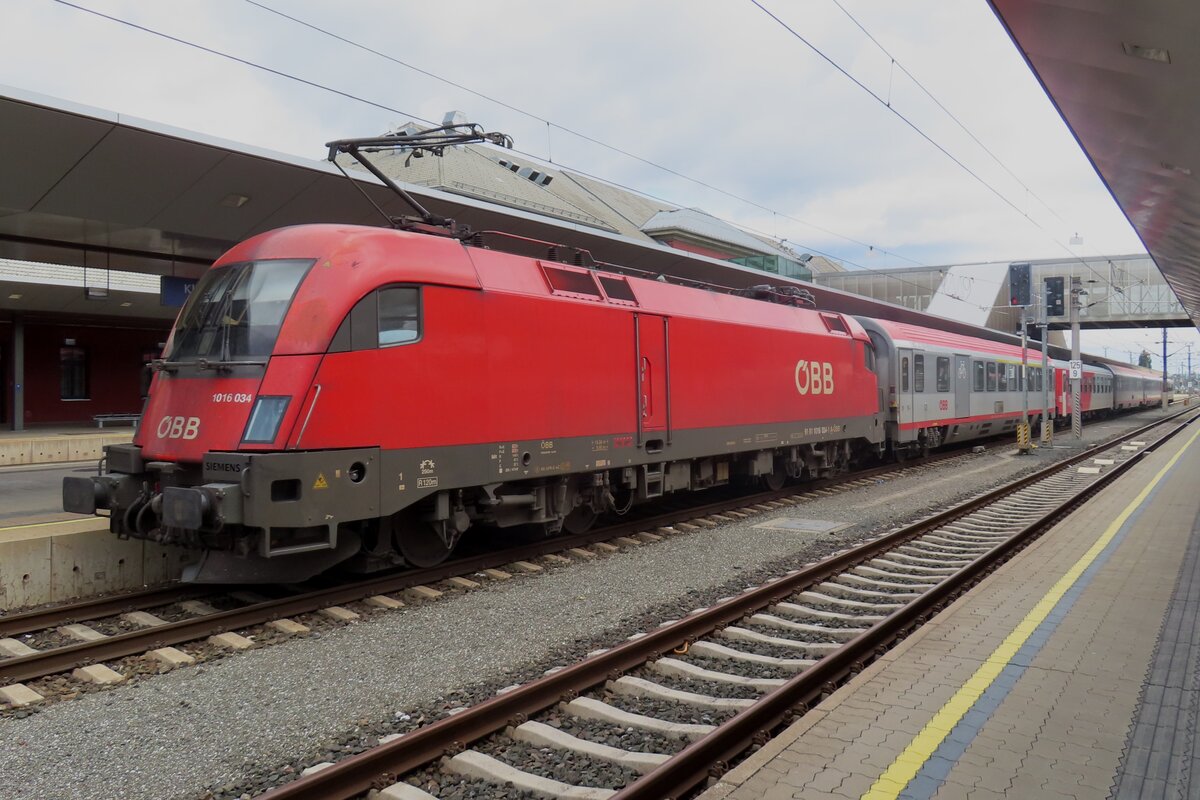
(75, 343)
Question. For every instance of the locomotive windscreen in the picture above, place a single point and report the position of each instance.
(236, 311)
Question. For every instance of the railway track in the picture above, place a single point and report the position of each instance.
(656, 716)
(85, 634)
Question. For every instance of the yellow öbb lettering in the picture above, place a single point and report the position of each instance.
(814, 377)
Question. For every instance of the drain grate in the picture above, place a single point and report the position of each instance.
(796, 525)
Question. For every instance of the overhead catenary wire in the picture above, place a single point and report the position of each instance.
(550, 124)
(383, 106)
(243, 61)
(418, 118)
(585, 137)
(922, 134)
(896, 64)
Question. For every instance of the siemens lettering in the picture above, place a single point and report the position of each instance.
(814, 377)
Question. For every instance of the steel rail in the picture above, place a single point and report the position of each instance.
(61, 659)
(689, 768)
(384, 764)
(42, 618)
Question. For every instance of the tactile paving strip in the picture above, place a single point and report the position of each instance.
(1162, 756)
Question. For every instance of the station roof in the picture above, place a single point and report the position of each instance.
(1125, 77)
(89, 187)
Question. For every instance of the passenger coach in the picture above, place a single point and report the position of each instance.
(946, 387)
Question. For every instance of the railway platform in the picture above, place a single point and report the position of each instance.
(59, 444)
(48, 555)
(1071, 671)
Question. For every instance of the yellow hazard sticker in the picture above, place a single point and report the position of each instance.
(320, 482)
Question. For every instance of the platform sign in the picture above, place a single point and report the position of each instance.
(174, 291)
(1076, 368)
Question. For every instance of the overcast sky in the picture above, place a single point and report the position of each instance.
(714, 90)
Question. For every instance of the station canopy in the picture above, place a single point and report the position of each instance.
(88, 187)
(1125, 77)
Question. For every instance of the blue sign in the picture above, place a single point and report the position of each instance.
(174, 291)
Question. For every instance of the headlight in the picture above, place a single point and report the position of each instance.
(263, 426)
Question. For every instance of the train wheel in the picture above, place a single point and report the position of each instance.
(580, 520)
(421, 542)
(774, 482)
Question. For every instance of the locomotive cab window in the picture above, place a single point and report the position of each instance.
(236, 311)
(384, 318)
(918, 373)
(399, 315)
(943, 374)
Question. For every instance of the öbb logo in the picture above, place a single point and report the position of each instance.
(814, 377)
(178, 427)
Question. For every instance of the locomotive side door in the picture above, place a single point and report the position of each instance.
(653, 377)
(962, 386)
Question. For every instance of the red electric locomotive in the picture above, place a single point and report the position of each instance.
(334, 392)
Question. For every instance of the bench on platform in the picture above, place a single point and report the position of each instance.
(101, 419)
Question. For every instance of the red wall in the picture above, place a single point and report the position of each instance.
(114, 359)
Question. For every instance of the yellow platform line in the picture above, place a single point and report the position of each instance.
(896, 777)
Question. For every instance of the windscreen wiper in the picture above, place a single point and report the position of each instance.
(162, 365)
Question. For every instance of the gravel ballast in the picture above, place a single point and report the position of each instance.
(220, 726)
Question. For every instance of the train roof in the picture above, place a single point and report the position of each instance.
(1133, 372)
(906, 335)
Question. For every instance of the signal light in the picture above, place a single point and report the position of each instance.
(1019, 284)
(1055, 297)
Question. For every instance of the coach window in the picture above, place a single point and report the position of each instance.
(991, 376)
(918, 373)
(904, 374)
(1021, 378)
(399, 315)
(943, 374)
(1013, 383)
(979, 373)
(72, 370)
(1001, 378)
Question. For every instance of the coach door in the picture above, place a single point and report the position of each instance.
(905, 385)
(653, 379)
(962, 386)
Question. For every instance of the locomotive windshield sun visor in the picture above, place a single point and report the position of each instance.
(263, 425)
(235, 312)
